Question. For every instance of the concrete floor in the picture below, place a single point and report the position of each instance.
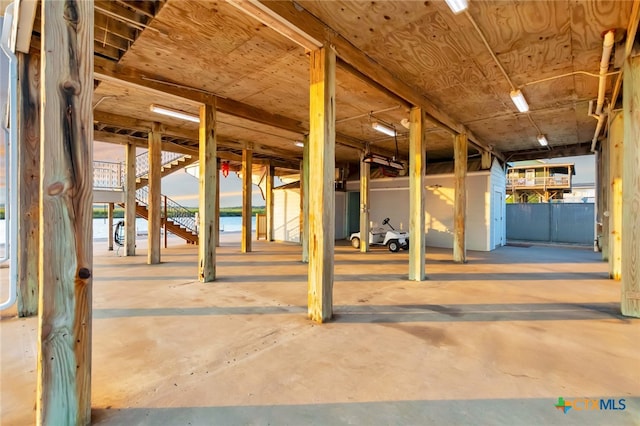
(495, 341)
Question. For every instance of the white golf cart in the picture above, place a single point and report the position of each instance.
(394, 240)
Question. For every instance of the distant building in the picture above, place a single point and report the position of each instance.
(539, 182)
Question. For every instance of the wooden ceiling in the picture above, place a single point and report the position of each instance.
(212, 49)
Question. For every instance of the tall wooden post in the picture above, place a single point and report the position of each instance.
(604, 200)
(28, 243)
(155, 194)
(365, 176)
(416, 195)
(460, 201)
(631, 189)
(269, 201)
(66, 213)
(130, 201)
(615, 144)
(322, 141)
(247, 186)
(217, 201)
(110, 226)
(304, 201)
(208, 197)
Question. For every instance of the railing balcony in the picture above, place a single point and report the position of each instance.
(107, 175)
(551, 182)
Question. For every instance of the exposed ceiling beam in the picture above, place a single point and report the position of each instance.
(279, 157)
(632, 30)
(105, 70)
(145, 7)
(583, 148)
(312, 26)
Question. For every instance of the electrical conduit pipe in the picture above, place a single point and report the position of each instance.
(12, 168)
(607, 46)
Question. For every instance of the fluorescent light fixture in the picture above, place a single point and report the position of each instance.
(175, 113)
(519, 101)
(299, 144)
(457, 6)
(542, 140)
(378, 159)
(383, 129)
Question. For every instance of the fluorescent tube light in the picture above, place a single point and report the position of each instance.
(174, 113)
(389, 162)
(298, 143)
(383, 129)
(457, 6)
(519, 101)
(542, 140)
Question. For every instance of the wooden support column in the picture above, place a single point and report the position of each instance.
(155, 194)
(247, 186)
(110, 225)
(130, 201)
(217, 200)
(615, 145)
(304, 201)
(365, 176)
(269, 201)
(416, 195)
(63, 395)
(322, 145)
(631, 190)
(460, 202)
(604, 200)
(28, 243)
(208, 196)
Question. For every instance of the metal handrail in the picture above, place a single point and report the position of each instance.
(176, 213)
(142, 161)
(107, 174)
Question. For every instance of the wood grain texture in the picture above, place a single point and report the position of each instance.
(218, 178)
(365, 177)
(28, 182)
(247, 185)
(304, 200)
(603, 164)
(460, 200)
(130, 200)
(110, 226)
(322, 116)
(614, 187)
(630, 189)
(271, 171)
(155, 195)
(66, 185)
(417, 162)
(208, 207)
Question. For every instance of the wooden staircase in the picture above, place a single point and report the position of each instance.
(167, 169)
(172, 227)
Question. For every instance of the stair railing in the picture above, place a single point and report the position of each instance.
(176, 213)
(142, 161)
(107, 175)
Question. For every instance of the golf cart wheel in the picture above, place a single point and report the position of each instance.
(355, 242)
(394, 246)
